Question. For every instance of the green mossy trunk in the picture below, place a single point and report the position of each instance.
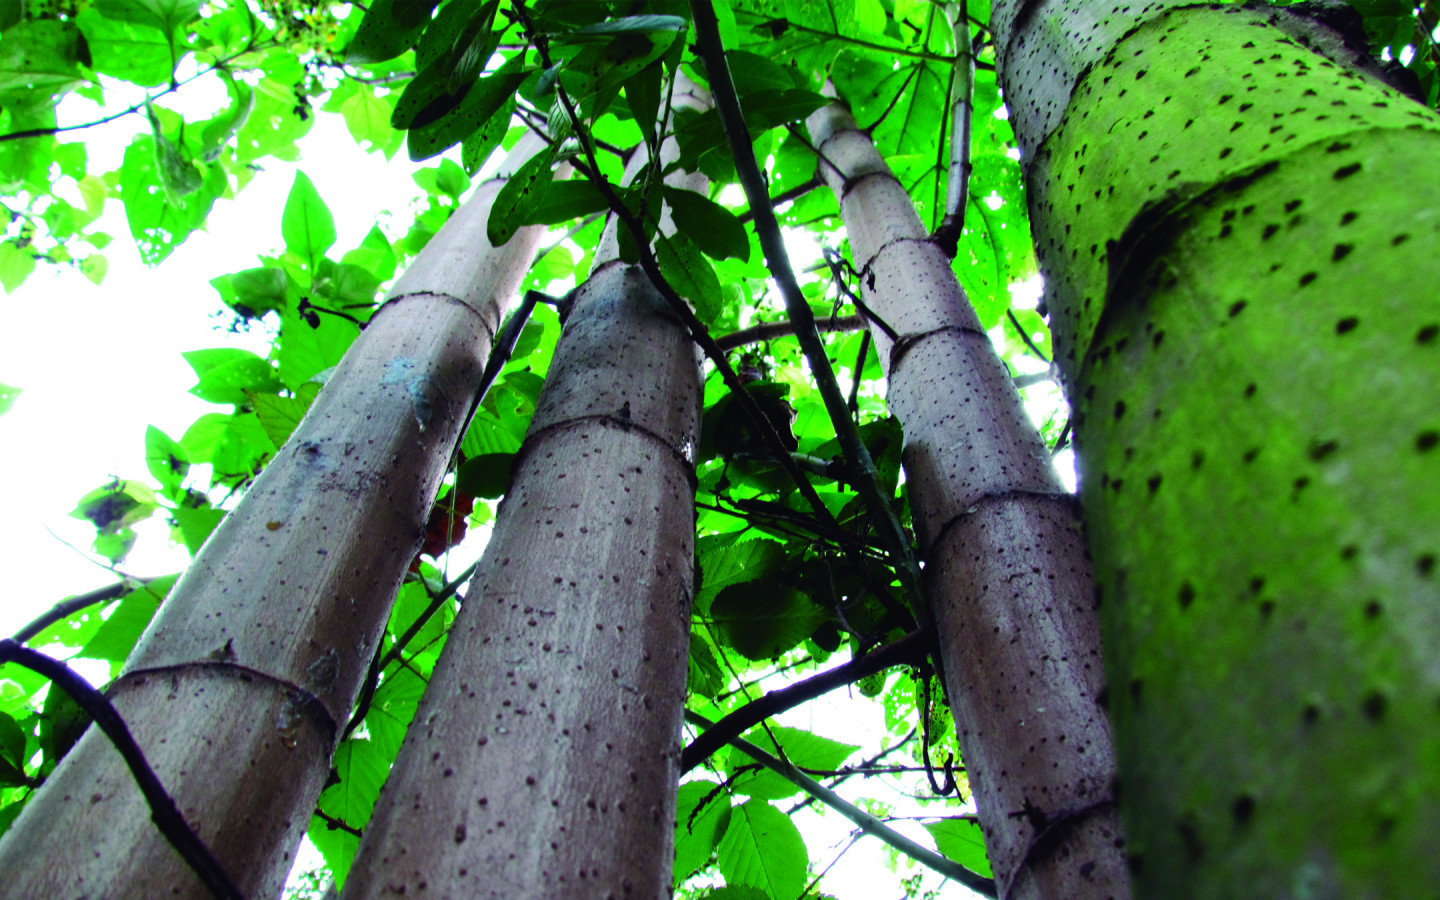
(1238, 237)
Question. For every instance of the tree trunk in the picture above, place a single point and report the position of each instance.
(1007, 576)
(238, 688)
(543, 759)
(1241, 282)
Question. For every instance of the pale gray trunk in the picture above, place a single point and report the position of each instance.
(1240, 271)
(238, 688)
(1006, 573)
(543, 760)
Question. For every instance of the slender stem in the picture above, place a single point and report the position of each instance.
(163, 811)
(909, 649)
(962, 100)
(709, 48)
(71, 605)
(867, 823)
(769, 331)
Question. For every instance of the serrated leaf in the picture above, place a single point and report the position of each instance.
(703, 675)
(698, 827)
(361, 766)
(280, 416)
(712, 227)
(725, 561)
(763, 849)
(762, 619)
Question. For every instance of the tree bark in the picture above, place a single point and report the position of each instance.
(237, 690)
(543, 759)
(1241, 285)
(1007, 576)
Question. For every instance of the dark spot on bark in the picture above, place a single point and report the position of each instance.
(1249, 455)
(1399, 239)
(1348, 217)
(1373, 609)
(1341, 251)
(1347, 324)
(1307, 278)
(1187, 595)
(1348, 552)
(1197, 458)
(1242, 809)
(1320, 449)
(1119, 409)
(1346, 171)
(1237, 308)
(1427, 334)
(1425, 441)
(1249, 390)
(1153, 482)
(1310, 714)
(1425, 564)
(1373, 706)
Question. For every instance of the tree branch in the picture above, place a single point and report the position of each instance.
(908, 649)
(769, 331)
(163, 811)
(71, 605)
(867, 823)
(962, 105)
(727, 103)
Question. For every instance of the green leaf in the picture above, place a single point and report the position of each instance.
(12, 742)
(803, 748)
(703, 675)
(139, 54)
(962, 840)
(566, 200)
(15, 265)
(518, 199)
(367, 117)
(62, 721)
(447, 119)
(762, 619)
(398, 696)
(642, 93)
(218, 131)
(8, 395)
(361, 766)
(280, 416)
(698, 827)
(374, 255)
(487, 475)
(40, 56)
(690, 274)
(482, 142)
(725, 561)
(164, 15)
(634, 24)
(451, 179)
(196, 525)
(226, 373)
(306, 224)
(254, 292)
(178, 173)
(712, 227)
(390, 27)
(165, 458)
(763, 849)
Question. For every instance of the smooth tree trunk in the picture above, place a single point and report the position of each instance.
(1007, 576)
(237, 690)
(543, 759)
(1236, 221)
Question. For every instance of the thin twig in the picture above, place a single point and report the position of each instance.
(769, 331)
(1020, 330)
(163, 811)
(909, 649)
(962, 106)
(71, 605)
(868, 823)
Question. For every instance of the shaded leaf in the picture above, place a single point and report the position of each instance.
(713, 228)
(762, 619)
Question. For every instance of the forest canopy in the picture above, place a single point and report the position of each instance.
(445, 91)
